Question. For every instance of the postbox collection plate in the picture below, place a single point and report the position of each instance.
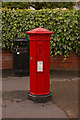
(39, 66)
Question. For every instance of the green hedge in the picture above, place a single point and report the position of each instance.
(64, 24)
(38, 5)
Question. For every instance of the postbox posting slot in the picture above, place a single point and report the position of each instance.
(40, 47)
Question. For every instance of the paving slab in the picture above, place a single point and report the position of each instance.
(15, 83)
(29, 109)
(16, 105)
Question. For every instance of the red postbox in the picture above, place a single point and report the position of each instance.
(39, 45)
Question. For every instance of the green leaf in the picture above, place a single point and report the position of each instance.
(54, 44)
(64, 24)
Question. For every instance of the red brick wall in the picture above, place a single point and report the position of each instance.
(71, 63)
(7, 60)
(56, 62)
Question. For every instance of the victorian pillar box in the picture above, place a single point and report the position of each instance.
(39, 46)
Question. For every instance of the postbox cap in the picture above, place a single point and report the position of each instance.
(39, 31)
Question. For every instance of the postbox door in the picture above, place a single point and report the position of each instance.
(42, 76)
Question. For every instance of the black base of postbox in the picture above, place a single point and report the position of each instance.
(40, 98)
